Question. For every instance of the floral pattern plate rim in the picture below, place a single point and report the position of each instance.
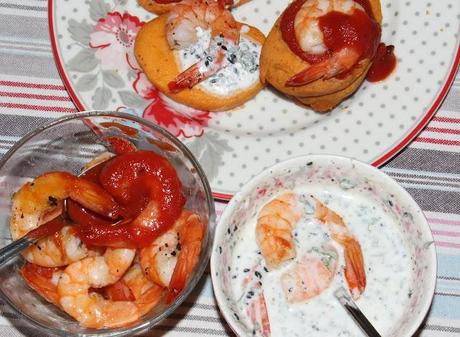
(92, 44)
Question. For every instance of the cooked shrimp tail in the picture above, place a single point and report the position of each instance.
(191, 232)
(181, 33)
(354, 267)
(43, 280)
(197, 72)
(338, 63)
(258, 314)
(355, 274)
(275, 223)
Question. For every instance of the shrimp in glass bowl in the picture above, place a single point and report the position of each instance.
(310, 225)
(86, 279)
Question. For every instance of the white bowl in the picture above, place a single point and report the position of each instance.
(351, 183)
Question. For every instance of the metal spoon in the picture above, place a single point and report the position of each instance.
(347, 302)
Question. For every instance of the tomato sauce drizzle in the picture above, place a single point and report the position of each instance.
(120, 145)
(340, 30)
(134, 179)
(383, 65)
(359, 31)
(49, 228)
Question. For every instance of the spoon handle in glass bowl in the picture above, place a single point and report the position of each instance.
(14, 248)
(30, 238)
(349, 305)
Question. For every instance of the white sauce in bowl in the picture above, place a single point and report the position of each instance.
(242, 74)
(387, 264)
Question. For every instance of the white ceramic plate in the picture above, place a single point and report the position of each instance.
(93, 47)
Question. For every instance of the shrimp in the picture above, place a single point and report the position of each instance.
(310, 275)
(258, 314)
(159, 259)
(43, 280)
(170, 259)
(59, 249)
(311, 36)
(275, 223)
(136, 287)
(354, 261)
(257, 307)
(90, 308)
(338, 63)
(191, 231)
(146, 293)
(181, 32)
(41, 200)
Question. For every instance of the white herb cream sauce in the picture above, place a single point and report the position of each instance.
(242, 74)
(386, 259)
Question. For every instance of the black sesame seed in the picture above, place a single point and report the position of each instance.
(246, 270)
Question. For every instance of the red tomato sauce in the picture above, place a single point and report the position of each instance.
(120, 145)
(359, 31)
(48, 228)
(137, 180)
(383, 65)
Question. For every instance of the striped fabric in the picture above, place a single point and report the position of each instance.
(31, 93)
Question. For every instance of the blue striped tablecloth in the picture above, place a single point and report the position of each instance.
(32, 93)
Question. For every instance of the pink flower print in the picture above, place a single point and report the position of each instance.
(178, 119)
(114, 37)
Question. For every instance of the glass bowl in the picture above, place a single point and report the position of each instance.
(397, 295)
(67, 144)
